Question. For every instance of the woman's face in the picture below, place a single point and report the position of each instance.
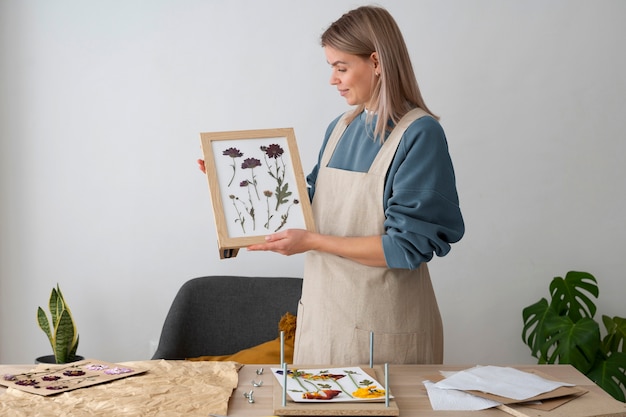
(353, 75)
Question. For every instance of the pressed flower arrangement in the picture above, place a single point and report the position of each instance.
(60, 329)
(52, 380)
(257, 185)
(330, 385)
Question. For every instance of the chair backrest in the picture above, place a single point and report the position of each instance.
(221, 315)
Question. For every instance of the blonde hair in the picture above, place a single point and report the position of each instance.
(370, 29)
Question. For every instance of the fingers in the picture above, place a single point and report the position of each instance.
(272, 243)
(201, 165)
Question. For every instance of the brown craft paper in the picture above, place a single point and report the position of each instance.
(168, 388)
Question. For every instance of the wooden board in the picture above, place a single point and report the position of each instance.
(336, 409)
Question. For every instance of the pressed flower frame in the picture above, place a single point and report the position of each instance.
(257, 185)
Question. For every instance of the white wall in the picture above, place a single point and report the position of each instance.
(102, 103)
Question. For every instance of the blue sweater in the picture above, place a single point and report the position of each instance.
(422, 214)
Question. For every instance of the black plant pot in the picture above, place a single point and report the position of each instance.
(50, 359)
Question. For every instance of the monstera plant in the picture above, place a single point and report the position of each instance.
(563, 330)
(60, 329)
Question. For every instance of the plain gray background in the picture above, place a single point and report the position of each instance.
(102, 103)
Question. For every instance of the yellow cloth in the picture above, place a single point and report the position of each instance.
(268, 352)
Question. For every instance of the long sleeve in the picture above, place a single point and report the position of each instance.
(422, 210)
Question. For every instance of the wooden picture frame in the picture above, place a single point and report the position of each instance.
(257, 185)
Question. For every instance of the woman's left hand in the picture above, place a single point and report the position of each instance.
(286, 242)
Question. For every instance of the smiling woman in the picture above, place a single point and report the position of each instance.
(353, 75)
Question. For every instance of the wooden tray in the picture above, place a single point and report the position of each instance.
(336, 408)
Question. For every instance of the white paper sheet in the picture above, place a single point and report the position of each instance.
(449, 399)
(504, 381)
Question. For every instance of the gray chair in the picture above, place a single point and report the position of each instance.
(221, 315)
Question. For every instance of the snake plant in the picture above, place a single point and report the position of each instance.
(563, 330)
(61, 329)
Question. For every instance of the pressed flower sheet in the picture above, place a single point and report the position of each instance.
(346, 384)
(257, 184)
(54, 379)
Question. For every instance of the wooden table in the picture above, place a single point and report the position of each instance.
(406, 385)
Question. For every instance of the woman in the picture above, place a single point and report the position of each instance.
(384, 201)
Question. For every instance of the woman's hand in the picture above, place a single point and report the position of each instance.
(286, 242)
(201, 165)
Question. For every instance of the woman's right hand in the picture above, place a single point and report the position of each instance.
(201, 165)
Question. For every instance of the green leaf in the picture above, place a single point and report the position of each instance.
(73, 349)
(610, 375)
(615, 339)
(42, 319)
(534, 334)
(54, 307)
(64, 337)
(574, 343)
(570, 296)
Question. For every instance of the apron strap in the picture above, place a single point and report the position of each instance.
(333, 140)
(388, 150)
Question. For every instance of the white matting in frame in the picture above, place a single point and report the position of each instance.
(257, 185)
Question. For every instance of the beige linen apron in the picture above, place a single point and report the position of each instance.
(342, 300)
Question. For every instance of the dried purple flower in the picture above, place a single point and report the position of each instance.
(117, 371)
(51, 378)
(244, 183)
(250, 163)
(9, 377)
(232, 152)
(26, 382)
(273, 151)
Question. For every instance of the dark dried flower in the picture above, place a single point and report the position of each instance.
(51, 378)
(250, 163)
(232, 152)
(26, 382)
(244, 183)
(74, 372)
(267, 193)
(273, 151)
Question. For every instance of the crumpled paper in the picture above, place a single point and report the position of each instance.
(167, 389)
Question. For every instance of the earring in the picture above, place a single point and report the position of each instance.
(377, 74)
